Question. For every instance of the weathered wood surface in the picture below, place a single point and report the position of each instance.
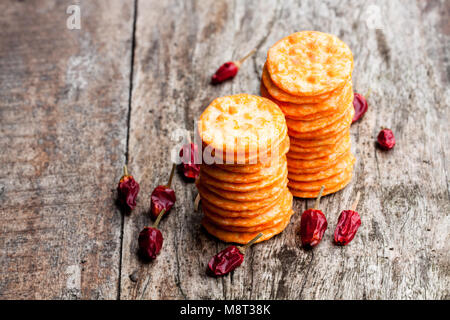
(63, 127)
(64, 130)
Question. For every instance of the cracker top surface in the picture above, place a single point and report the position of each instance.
(309, 63)
(241, 123)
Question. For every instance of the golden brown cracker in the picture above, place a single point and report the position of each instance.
(246, 186)
(319, 162)
(333, 129)
(328, 190)
(320, 154)
(245, 237)
(256, 195)
(283, 96)
(340, 166)
(309, 63)
(231, 205)
(241, 124)
(269, 219)
(241, 213)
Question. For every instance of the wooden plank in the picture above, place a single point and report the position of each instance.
(401, 250)
(63, 129)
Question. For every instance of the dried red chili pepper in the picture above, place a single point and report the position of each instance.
(348, 223)
(313, 224)
(151, 240)
(127, 190)
(189, 166)
(360, 105)
(162, 197)
(229, 69)
(229, 259)
(386, 139)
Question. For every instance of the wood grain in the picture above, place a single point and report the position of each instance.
(64, 135)
(401, 250)
(63, 128)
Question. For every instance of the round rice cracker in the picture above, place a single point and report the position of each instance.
(346, 162)
(283, 96)
(321, 118)
(309, 63)
(247, 157)
(295, 114)
(268, 219)
(226, 204)
(319, 162)
(280, 175)
(256, 195)
(322, 142)
(245, 237)
(318, 149)
(317, 124)
(254, 168)
(343, 122)
(308, 114)
(296, 170)
(241, 123)
(244, 169)
(292, 112)
(321, 154)
(243, 213)
(327, 190)
(218, 173)
(314, 186)
(312, 109)
(260, 227)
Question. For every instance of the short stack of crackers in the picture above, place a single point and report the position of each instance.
(309, 76)
(243, 177)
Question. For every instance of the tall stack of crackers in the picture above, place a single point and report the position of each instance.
(309, 76)
(243, 175)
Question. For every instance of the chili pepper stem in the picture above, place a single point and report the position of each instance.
(248, 244)
(197, 202)
(355, 203)
(318, 197)
(368, 93)
(171, 175)
(155, 225)
(125, 170)
(239, 62)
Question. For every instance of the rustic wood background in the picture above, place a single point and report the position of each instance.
(75, 105)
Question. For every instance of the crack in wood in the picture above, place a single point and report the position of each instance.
(130, 93)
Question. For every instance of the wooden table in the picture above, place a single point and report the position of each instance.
(75, 105)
